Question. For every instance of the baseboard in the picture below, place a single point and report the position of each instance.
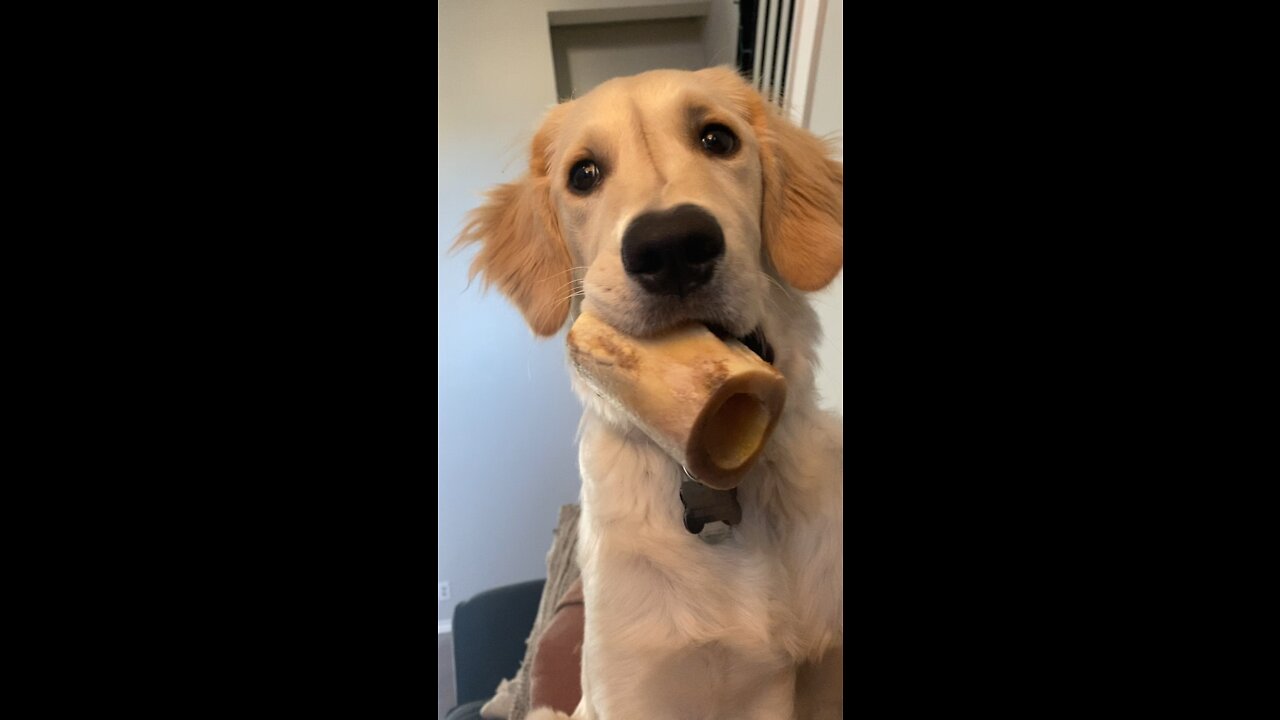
(444, 626)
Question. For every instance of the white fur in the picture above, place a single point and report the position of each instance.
(678, 628)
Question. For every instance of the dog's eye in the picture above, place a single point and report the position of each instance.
(584, 175)
(718, 140)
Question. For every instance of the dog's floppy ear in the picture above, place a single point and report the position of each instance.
(803, 217)
(522, 250)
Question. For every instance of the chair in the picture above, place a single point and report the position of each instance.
(489, 633)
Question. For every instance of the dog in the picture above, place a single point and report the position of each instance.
(654, 200)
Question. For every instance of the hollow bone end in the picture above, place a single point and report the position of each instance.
(733, 429)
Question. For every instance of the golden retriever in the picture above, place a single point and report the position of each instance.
(653, 200)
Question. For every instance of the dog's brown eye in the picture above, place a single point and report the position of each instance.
(584, 175)
(718, 140)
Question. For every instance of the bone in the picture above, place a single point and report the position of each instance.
(710, 404)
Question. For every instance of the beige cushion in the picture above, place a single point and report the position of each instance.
(562, 572)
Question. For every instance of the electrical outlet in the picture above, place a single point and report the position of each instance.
(443, 591)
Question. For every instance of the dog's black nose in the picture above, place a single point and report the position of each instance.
(673, 252)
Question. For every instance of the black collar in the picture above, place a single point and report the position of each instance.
(703, 505)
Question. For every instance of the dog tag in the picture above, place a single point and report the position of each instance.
(706, 507)
(714, 533)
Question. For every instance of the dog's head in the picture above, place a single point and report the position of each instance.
(666, 197)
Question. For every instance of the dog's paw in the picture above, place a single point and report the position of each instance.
(546, 714)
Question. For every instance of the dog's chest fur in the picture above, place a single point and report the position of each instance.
(771, 594)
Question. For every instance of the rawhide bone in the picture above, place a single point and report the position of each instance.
(710, 404)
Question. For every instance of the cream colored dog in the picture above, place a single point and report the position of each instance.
(656, 199)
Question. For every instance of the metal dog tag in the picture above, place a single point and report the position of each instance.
(709, 513)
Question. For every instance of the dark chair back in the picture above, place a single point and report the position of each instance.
(489, 633)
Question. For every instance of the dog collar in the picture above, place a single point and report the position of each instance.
(704, 505)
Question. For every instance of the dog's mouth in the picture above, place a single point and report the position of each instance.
(755, 341)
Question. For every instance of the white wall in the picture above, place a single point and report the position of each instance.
(591, 46)
(827, 119)
(720, 33)
(605, 11)
(506, 416)
(587, 55)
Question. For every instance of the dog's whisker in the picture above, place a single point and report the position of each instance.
(555, 302)
(779, 285)
(557, 275)
(565, 285)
